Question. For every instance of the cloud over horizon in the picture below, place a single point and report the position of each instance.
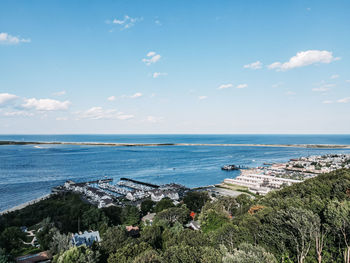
(305, 58)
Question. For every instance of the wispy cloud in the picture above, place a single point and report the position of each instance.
(6, 38)
(225, 86)
(152, 57)
(335, 76)
(320, 89)
(327, 102)
(242, 86)
(202, 97)
(290, 93)
(125, 22)
(136, 95)
(305, 58)
(5, 98)
(111, 98)
(18, 113)
(158, 74)
(254, 65)
(344, 100)
(154, 119)
(59, 93)
(46, 104)
(98, 113)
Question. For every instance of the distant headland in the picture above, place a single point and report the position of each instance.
(323, 146)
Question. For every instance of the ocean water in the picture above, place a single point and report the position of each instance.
(30, 171)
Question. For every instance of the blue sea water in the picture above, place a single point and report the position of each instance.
(30, 171)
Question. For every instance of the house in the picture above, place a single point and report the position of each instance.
(194, 225)
(39, 257)
(133, 231)
(148, 219)
(86, 238)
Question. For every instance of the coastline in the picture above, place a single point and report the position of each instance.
(321, 146)
(23, 205)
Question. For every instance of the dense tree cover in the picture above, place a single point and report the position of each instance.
(306, 222)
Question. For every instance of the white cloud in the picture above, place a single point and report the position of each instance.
(5, 38)
(61, 119)
(136, 95)
(152, 57)
(290, 93)
(202, 97)
(241, 86)
(277, 85)
(327, 102)
(348, 80)
(344, 100)
(45, 104)
(335, 76)
(154, 119)
(6, 97)
(111, 98)
(17, 114)
(321, 89)
(126, 22)
(254, 65)
(60, 93)
(158, 74)
(225, 86)
(305, 58)
(98, 113)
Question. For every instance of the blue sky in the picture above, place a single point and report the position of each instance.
(174, 66)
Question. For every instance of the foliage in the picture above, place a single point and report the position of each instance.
(80, 254)
(163, 204)
(196, 200)
(147, 206)
(247, 253)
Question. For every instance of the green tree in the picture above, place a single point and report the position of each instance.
(212, 220)
(60, 242)
(131, 215)
(247, 253)
(11, 238)
(196, 200)
(296, 226)
(187, 254)
(114, 214)
(80, 254)
(114, 238)
(163, 204)
(147, 206)
(128, 252)
(149, 256)
(338, 216)
(173, 215)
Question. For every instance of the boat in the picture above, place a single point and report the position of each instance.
(230, 167)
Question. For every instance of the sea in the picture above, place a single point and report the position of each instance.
(30, 171)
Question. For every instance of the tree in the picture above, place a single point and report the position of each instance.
(93, 218)
(130, 215)
(11, 238)
(338, 215)
(147, 206)
(114, 238)
(196, 200)
(152, 235)
(230, 236)
(149, 256)
(163, 204)
(247, 253)
(211, 220)
(173, 214)
(114, 214)
(296, 226)
(60, 242)
(80, 254)
(128, 252)
(187, 254)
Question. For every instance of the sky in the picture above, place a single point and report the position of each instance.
(216, 67)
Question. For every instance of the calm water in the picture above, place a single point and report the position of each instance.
(29, 171)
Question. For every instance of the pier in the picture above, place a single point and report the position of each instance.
(139, 182)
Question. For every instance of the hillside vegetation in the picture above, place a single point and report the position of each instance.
(306, 222)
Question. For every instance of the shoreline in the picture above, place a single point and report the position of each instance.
(314, 146)
(23, 205)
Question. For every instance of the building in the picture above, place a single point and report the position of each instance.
(87, 238)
